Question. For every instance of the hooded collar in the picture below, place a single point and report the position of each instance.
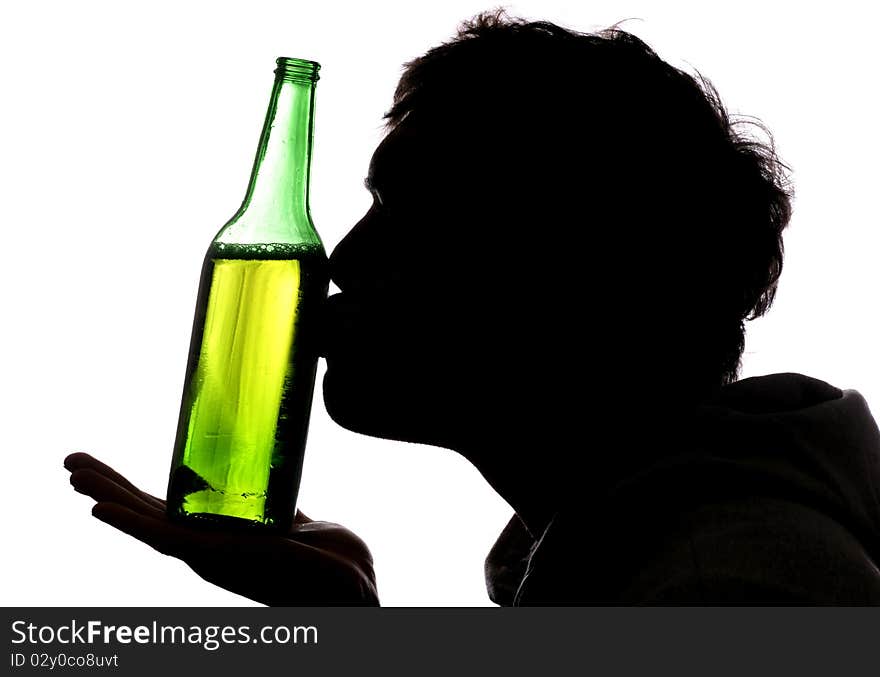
(783, 436)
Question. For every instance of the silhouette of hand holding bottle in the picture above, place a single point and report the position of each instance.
(315, 563)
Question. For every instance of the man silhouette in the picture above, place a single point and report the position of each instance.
(566, 238)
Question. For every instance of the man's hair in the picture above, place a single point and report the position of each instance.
(633, 167)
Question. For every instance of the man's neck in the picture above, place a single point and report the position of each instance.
(516, 471)
(540, 472)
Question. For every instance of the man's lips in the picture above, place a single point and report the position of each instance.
(364, 327)
(338, 321)
(326, 329)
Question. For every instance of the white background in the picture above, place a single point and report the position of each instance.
(127, 132)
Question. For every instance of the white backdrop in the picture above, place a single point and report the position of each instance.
(127, 132)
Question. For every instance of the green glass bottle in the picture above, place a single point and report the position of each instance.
(251, 371)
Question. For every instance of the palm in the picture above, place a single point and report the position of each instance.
(316, 563)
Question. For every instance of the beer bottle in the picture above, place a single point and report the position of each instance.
(247, 395)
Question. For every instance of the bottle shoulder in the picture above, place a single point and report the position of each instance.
(245, 229)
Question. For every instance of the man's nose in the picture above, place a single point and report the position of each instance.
(338, 265)
(354, 261)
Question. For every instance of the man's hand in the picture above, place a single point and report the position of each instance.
(315, 564)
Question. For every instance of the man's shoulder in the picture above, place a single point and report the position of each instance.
(743, 551)
(757, 551)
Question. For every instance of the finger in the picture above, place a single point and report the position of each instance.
(160, 534)
(103, 489)
(202, 549)
(300, 518)
(81, 460)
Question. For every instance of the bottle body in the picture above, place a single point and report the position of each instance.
(250, 374)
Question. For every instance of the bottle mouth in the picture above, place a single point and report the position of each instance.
(297, 70)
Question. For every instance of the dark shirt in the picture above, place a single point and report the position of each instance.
(768, 494)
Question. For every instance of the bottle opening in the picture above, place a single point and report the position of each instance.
(297, 70)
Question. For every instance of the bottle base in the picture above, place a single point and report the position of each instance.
(213, 522)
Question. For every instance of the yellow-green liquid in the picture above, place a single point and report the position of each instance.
(250, 377)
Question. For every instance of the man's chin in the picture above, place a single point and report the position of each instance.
(365, 405)
(350, 407)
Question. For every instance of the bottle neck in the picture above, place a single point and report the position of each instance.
(276, 205)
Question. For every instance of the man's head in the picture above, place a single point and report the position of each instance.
(557, 216)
